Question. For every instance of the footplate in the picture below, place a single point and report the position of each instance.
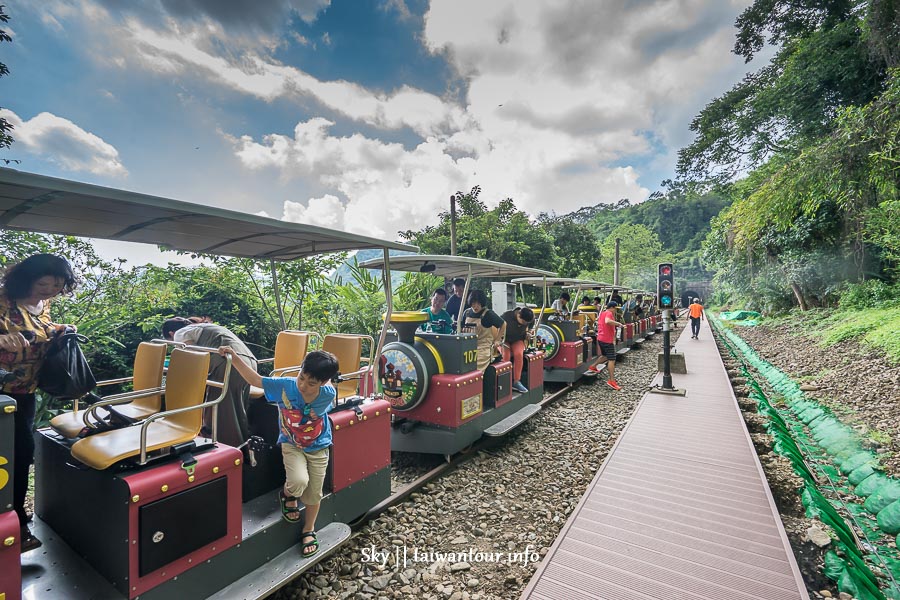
(506, 425)
(282, 569)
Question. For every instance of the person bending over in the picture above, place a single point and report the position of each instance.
(233, 426)
(303, 405)
(515, 332)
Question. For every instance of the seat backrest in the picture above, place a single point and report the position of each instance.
(186, 385)
(290, 348)
(148, 372)
(348, 350)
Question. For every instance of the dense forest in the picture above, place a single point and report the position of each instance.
(807, 149)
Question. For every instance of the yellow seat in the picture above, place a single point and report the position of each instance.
(347, 348)
(148, 372)
(290, 350)
(586, 320)
(185, 387)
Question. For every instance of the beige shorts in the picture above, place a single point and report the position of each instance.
(304, 473)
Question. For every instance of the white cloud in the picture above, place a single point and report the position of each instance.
(252, 74)
(65, 143)
(386, 188)
(327, 211)
(559, 97)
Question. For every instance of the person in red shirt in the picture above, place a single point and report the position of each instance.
(606, 340)
(696, 314)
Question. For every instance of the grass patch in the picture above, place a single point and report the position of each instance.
(876, 327)
(879, 437)
(814, 376)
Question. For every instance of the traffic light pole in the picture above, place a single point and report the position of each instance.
(665, 294)
(667, 387)
(667, 372)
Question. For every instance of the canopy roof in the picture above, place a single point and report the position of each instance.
(453, 266)
(30, 202)
(561, 282)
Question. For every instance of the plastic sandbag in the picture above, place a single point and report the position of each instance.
(860, 474)
(889, 518)
(884, 495)
(870, 484)
(857, 460)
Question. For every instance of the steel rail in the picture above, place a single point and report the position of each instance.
(454, 461)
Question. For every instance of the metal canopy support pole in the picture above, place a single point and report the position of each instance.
(453, 225)
(462, 304)
(616, 265)
(386, 279)
(277, 295)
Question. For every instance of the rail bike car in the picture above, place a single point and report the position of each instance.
(155, 510)
(566, 340)
(441, 402)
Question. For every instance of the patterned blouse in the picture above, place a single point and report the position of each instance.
(24, 363)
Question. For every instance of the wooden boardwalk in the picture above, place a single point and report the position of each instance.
(680, 508)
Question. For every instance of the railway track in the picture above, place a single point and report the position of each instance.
(450, 463)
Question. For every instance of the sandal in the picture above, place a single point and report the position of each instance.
(291, 514)
(314, 543)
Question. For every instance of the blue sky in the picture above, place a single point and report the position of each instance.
(364, 115)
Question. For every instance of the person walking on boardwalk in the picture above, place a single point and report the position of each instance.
(606, 340)
(696, 314)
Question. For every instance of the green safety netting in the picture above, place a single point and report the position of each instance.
(829, 456)
(746, 318)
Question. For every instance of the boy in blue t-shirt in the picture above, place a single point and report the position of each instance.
(303, 405)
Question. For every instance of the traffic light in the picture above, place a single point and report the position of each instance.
(665, 286)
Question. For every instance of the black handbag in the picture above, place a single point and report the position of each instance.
(66, 373)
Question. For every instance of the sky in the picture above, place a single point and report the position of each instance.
(364, 115)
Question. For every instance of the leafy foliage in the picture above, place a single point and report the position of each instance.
(870, 327)
(639, 252)
(824, 63)
(6, 138)
(679, 218)
(504, 234)
(574, 244)
(873, 293)
(814, 135)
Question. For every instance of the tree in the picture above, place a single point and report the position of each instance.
(575, 244)
(824, 62)
(639, 252)
(504, 234)
(680, 217)
(6, 127)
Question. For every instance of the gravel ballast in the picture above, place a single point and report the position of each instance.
(479, 531)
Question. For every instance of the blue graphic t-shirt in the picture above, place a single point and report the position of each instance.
(294, 414)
